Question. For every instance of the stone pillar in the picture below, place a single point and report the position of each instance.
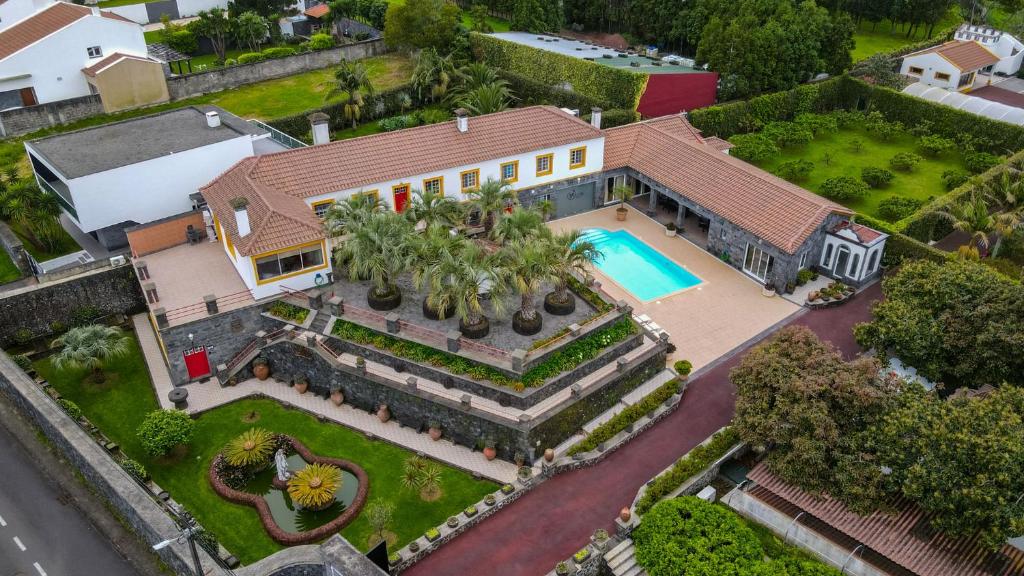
(621, 364)
(574, 329)
(453, 340)
(518, 359)
(652, 203)
(222, 374)
(316, 300)
(142, 269)
(624, 306)
(575, 390)
(467, 401)
(680, 216)
(211, 304)
(161, 318)
(392, 322)
(336, 305)
(411, 381)
(311, 339)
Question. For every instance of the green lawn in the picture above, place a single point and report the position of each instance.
(8, 271)
(872, 39)
(67, 244)
(923, 183)
(118, 408)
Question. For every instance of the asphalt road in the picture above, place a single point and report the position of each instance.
(41, 534)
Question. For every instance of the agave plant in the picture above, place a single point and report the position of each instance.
(250, 448)
(314, 486)
(90, 347)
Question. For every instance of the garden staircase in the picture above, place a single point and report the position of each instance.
(320, 321)
(621, 560)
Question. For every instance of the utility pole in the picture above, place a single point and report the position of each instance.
(189, 532)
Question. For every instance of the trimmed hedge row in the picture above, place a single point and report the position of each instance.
(899, 246)
(687, 467)
(619, 88)
(630, 415)
(530, 92)
(381, 104)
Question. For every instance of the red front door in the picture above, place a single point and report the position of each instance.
(401, 197)
(197, 362)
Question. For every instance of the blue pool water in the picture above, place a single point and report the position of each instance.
(636, 266)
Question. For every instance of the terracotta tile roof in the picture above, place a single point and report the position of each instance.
(91, 71)
(276, 220)
(863, 233)
(777, 211)
(904, 537)
(719, 144)
(965, 55)
(43, 23)
(318, 11)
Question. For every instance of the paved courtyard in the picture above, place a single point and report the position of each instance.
(706, 321)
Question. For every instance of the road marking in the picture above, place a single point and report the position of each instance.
(39, 569)
(2, 522)
(18, 542)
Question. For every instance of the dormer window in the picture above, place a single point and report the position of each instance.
(94, 51)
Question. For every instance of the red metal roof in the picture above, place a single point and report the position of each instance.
(318, 11)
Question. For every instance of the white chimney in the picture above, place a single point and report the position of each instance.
(241, 216)
(462, 120)
(595, 117)
(212, 119)
(320, 124)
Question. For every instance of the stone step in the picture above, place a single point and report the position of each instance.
(619, 549)
(623, 560)
(635, 570)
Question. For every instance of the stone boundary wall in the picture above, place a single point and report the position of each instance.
(106, 477)
(14, 248)
(228, 77)
(18, 121)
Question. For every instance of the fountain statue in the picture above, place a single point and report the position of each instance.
(281, 462)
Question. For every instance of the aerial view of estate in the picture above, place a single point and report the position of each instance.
(512, 287)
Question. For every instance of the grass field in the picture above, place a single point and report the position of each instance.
(872, 39)
(923, 183)
(119, 406)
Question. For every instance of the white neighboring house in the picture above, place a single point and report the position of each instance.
(42, 56)
(12, 11)
(953, 65)
(118, 175)
(852, 251)
(1009, 49)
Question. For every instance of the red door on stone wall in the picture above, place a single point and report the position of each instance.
(197, 362)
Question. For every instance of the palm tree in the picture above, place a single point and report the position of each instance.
(90, 347)
(546, 208)
(973, 216)
(351, 213)
(432, 74)
(522, 224)
(436, 243)
(460, 280)
(432, 208)
(1007, 189)
(622, 194)
(490, 199)
(528, 265)
(487, 99)
(379, 250)
(570, 254)
(351, 79)
(478, 74)
(34, 211)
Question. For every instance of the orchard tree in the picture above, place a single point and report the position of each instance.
(419, 24)
(215, 26)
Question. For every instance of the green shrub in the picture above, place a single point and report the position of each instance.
(895, 208)
(842, 188)
(250, 57)
(818, 123)
(163, 430)
(691, 464)
(805, 275)
(70, 408)
(883, 129)
(978, 162)
(230, 62)
(876, 177)
(847, 118)
(904, 161)
(432, 116)
(183, 40)
(954, 178)
(58, 327)
(795, 170)
(432, 534)
(753, 147)
(22, 336)
(397, 123)
(289, 312)
(628, 416)
(530, 92)
(683, 367)
(22, 361)
(321, 42)
(934, 145)
(84, 315)
(383, 103)
(138, 471)
(278, 52)
(788, 134)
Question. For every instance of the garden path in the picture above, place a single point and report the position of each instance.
(555, 520)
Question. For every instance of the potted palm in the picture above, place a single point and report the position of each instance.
(490, 199)
(622, 194)
(428, 208)
(429, 248)
(379, 249)
(350, 213)
(90, 347)
(520, 225)
(528, 265)
(463, 280)
(570, 253)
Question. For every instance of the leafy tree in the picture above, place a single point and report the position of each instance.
(974, 216)
(905, 161)
(90, 347)
(818, 123)
(978, 162)
(876, 177)
(755, 147)
(214, 25)
(265, 8)
(352, 80)
(536, 16)
(788, 134)
(795, 170)
(478, 16)
(934, 145)
(954, 178)
(250, 29)
(881, 69)
(841, 188)
(379, 514)
(896, 208)
(163, 430)
(797, 396)
(420, 24)
(960, 323)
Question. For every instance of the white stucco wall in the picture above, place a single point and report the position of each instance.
(186, 9)
(12, 11)
(931, 64)
(133, 12)
(490, 169)
(855, 270)
(55, 63)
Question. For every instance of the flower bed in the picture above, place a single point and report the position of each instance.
(288, 312)
(627, 417)
(260, 504)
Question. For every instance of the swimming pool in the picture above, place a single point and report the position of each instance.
(636, 266)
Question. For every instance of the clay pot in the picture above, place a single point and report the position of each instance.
(261, 370)
(625, 514)
(620, 214)
(435, 433)
(490, 453)
(383, 414)
(549, 454)
(337, 397)
(301, 386)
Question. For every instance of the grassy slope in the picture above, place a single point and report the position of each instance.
(883, 39)
(8, 271)
(119, 408)
(924, 182)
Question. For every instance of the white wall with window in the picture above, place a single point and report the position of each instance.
(932, 69)
(758, 263)
(296, 268)
(849, 260)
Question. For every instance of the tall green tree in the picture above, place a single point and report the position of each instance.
(353, 81)
(433, 74)
(214, 25)
(250, 30)
(419, 24)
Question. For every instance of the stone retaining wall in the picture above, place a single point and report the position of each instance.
(18, 121)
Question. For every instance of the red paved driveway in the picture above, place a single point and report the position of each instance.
(556, 519)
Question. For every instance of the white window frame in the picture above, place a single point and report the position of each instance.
(95, 51)
(764, 265)
(803, 261)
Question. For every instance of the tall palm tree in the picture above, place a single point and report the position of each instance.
(351, 213)
(351, 79)
(490, 199)
(570, 253)
(522, 224)
(432, 74)
(379, 250)
(34, 210)
(528, 265)
(90, 347)
(465, 280)
(973, 216)
(545, 207)
(435, 244)
(432, 208)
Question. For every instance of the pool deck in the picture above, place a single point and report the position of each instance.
(705, 321)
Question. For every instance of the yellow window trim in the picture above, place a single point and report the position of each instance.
(440, 186)
(299, 247)
(462, 176)
(515, 171)
(583, 157)
(320, 203)
(551, 164)
(375, 193)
